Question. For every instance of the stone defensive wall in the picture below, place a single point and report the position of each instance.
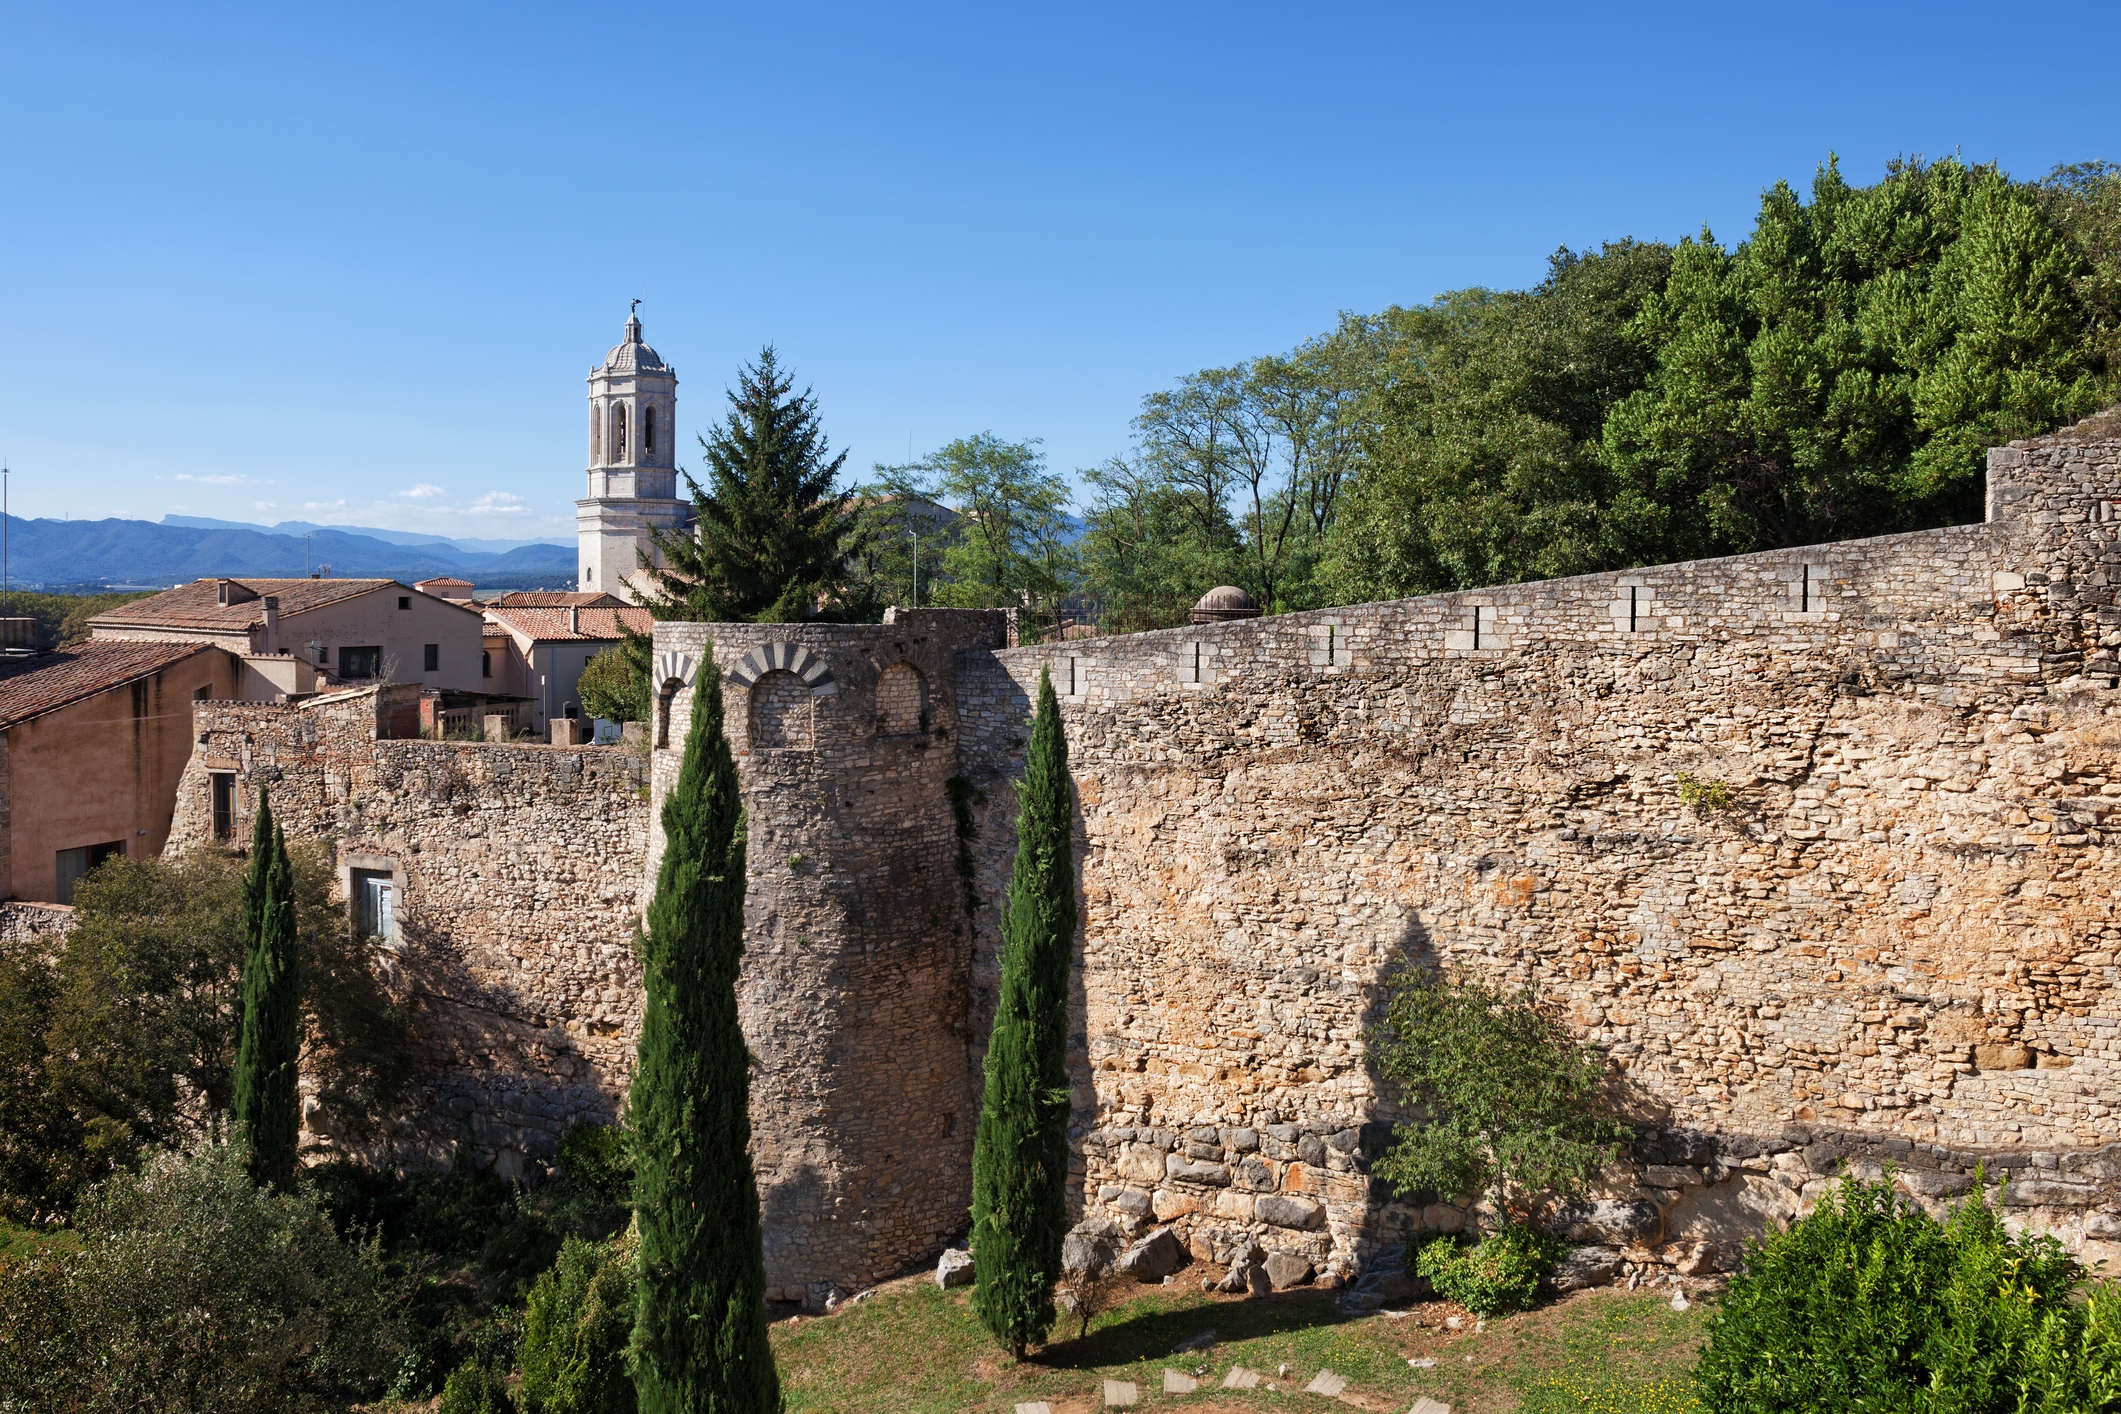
(515, 877)
(1811, 842)
(1894, 943)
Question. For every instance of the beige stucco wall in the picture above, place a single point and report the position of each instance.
(105, 768)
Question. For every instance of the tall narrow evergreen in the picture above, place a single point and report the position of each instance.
(1020, 1157)
(699, 1335)
(267, 1110)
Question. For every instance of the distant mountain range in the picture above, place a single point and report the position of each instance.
(84, 555)
(394, 537)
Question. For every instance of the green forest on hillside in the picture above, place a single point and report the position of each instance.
(1838, 373)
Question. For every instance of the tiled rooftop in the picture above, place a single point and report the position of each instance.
(554, 598)
(543, 624)
(30, 687)
(197, 605)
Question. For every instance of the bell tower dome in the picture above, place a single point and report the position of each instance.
(633, 398)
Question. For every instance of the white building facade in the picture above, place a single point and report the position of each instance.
(633, 399)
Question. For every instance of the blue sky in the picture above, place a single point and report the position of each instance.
(352, 265)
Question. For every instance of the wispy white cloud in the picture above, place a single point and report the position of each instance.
(223, 480)
(425, 491)
(263, 506)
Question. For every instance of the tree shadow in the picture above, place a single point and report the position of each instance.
(1132, 1334)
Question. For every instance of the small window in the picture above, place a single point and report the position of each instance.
(405, 601)
(648, 429)
(618, 433)
(224, 799)
(486, 663)
(375, 904)
(596, 437)
(360, 662)
(589, 574)
(431, 658)
(75, 863)
(199, 694)
(324, 656)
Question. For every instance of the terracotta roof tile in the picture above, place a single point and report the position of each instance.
(554, 598)
(197, 605)
(30, 687)
(549, 624)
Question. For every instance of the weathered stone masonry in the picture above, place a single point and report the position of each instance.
(517, 870)
(1898, 943)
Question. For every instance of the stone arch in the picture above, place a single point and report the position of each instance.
(596, 435)
(674, 672)
(783, 716)
(901, 700)
(785, 657)
(648, 428)
(618, 432)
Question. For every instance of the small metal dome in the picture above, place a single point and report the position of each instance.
(1225, 602)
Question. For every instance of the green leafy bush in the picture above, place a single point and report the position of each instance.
(1498, 1275)
(1510, 1103)
(474, 1389)
(597, 1161)
(576, 1329)
(192, 1290)
(1870, 1303)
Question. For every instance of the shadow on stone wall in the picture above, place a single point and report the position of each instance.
(490, 1071)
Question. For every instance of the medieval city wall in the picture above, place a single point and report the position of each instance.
(516, 869)
(856, 986)
(1897, 942)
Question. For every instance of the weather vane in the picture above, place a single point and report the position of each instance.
(636, 308)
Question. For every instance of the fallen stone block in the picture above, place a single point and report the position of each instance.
(1286, 1269)
(1153, 1258)
(1199, 1341)
(1176, 1383)
(1241, 1378)
(1121, 1394)
(1090, 1246)
(1585, 1267)
(955, 1269)
(1426, 1405)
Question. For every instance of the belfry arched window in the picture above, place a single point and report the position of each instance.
(648, 428)
(596, 435)
(618, 433)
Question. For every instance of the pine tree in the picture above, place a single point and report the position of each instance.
(773, 536)
(699, 1336)
(1020, 1157)
(267, 1110)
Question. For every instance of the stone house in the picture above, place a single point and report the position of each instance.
(537, 645)
(93, 740)
(289, 631)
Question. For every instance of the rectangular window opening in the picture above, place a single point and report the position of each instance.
(1072, 678)
(486, 663)
(1634, 604)
(375, 904)
(224, 804)
(1804, 591)
(405, 601)
(431, 658)
(360, 662)
(1333, 642)
(1196, 663)
(74, 864)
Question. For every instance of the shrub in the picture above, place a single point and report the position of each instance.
(597, 1160)
(1705, 796)
(193, 1290)
(1498, 1275)
(474, 1389)
(1511, 1104)
(1870, 1303)
(576, 1329)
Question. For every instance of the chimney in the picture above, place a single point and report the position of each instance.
(574, 618)
(272, 623)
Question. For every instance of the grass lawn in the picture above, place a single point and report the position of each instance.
(18, 1241)
(912, 1347)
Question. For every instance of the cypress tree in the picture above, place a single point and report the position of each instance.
(1020, 1157)
(267, 1111)
(699, 1336)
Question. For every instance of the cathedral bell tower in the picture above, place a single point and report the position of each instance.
(633, 398)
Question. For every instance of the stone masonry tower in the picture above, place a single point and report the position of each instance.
(633, 399)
